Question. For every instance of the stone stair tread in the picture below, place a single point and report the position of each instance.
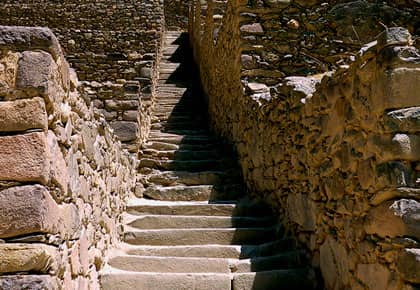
(204, 251)
(290, 279)
(198, 236)
(189, 193)
(184, 177)
(284, 260)
(169, 264)
(231, 208)
(114, 279)
(187, 221)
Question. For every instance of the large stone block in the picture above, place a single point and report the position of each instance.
(302, 211)
(31, 209)
(409, 265)
(25, 158)
(394, 147)
(374, 276)
(37, 75)
(334, 264)
(23, 115)
(396, 88)
(395, 218)
(18, 38)
(38, 258)
(126, 131)
(32, 282)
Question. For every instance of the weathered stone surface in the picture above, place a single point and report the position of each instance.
(23, 115)
(38, 258)
(31, 209)
(36, 76)
(395, 147)
(18, 38)
(59, 172)
(126, 131)
(374, 276)
(33, 282)
(404, 120)
(409, 265)
(334, 264)
(302, 211)
(395, 218)
(394, 36)
(25, 158)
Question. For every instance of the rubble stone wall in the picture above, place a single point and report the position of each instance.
(333, 150)
(115, 42)
(64, 177)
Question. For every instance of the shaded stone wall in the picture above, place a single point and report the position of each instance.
(333, 151)
(176, 14)
(64, 177)
(105, 41)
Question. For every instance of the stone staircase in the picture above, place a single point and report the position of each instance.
(192, 228)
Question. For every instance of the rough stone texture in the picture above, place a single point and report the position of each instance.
(31, 209)
(109, 44)
(33, 282)
(324, 126)
(23, 115)
(24, 158)
(28, 257)
(85, 174)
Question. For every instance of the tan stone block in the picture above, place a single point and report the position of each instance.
(394, 218)
(374, 276)
(334, 264)
(302, 211)
(28, 257)
(31, 209)
(23, 115)
(25, 158)
(59, 173)
(409, 265)
(8, 65)
(394, 147)
(397, 88)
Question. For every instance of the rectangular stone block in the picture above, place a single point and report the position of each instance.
(33, 282)
(28, 257)
(397, 88)
(38, 75)
(23, 115)
(24, 158)
(125, 131)
(31, 209)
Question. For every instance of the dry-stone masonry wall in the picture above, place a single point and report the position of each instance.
(63, 175)
(332, 144)
(114, 47)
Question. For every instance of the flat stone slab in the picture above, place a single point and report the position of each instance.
(166, 237)
(121, 280)
(170, 265)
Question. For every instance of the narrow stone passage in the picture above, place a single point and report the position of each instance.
(193, 228)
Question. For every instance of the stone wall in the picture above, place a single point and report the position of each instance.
(105, 41)
(64, 177)
(333, 150)
(176, 14)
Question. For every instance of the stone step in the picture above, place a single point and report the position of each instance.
(186, 139)
(178, 126)
(161, 146)
(169, 265)
(124, 280)
(144, 206)
(285, 260)
(166, 237)
(190, 193)
(186, 165)
(293, 279)
(189, 222)
(167, 178)
(206, 251)
(181, 154)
